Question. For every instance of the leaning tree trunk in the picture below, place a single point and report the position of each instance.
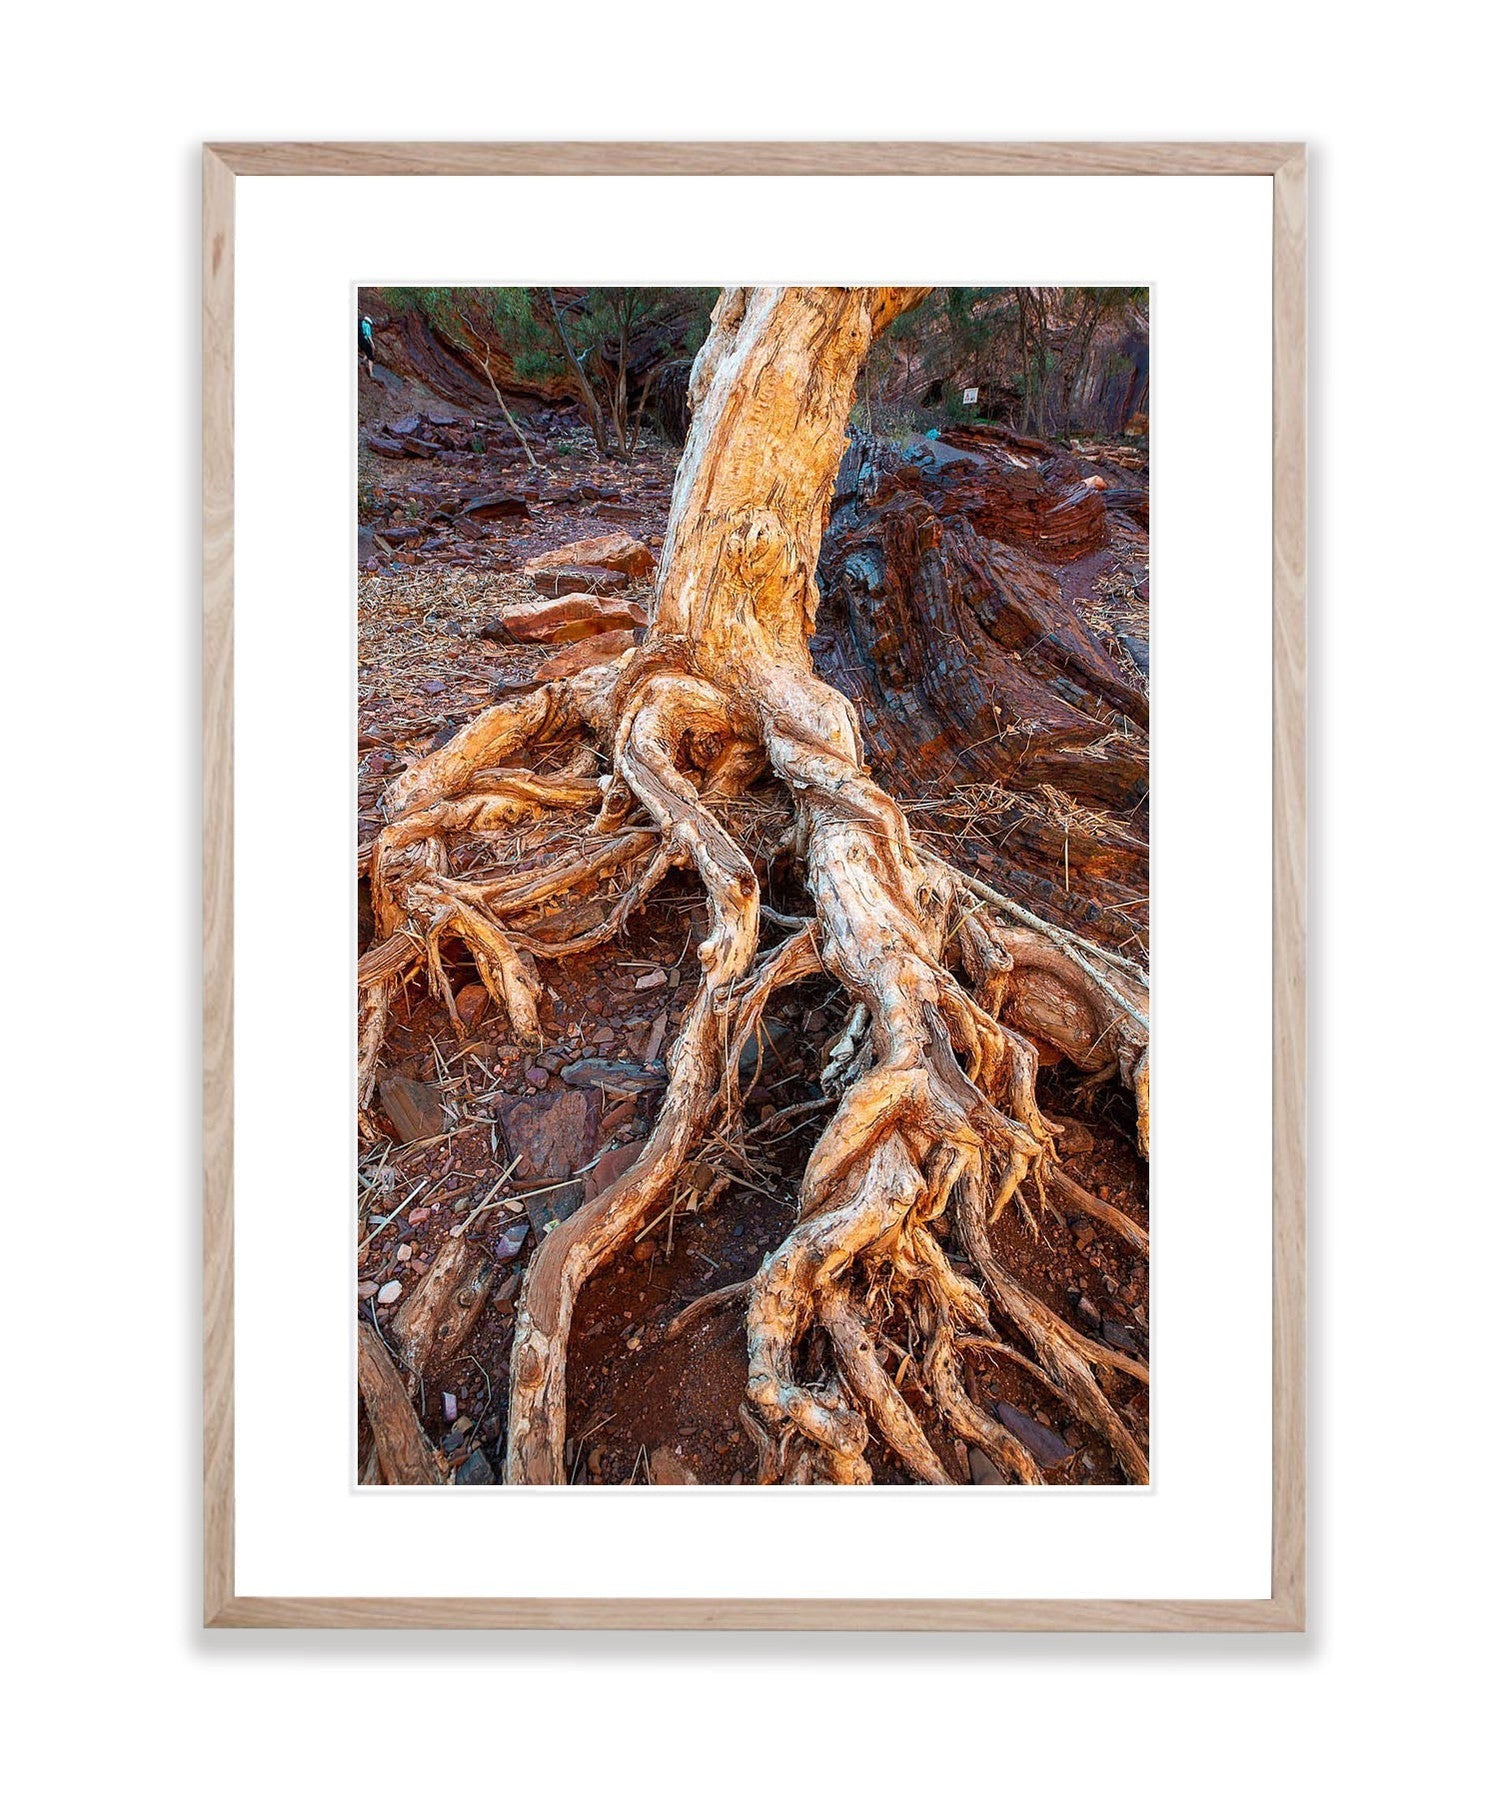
(952, 986)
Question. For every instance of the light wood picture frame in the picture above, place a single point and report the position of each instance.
(1285, 164)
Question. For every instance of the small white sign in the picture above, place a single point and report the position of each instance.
(970, 396)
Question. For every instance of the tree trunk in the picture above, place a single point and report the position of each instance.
(582, 386)
(954, 984)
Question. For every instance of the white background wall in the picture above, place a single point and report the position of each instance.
(98, 1237)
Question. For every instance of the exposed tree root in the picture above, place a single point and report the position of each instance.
(943, 1114)
(951, 987)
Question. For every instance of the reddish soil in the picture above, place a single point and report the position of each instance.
(643, 1408)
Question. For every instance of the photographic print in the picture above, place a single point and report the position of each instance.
(753, 874)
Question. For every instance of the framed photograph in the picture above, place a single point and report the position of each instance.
(754, 886)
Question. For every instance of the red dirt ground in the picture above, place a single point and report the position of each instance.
(642, 1408)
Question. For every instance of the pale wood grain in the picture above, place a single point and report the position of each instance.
(1285, 1609)
(1113, 1615)
(754, 159)
(218, 885)
(1288, 779)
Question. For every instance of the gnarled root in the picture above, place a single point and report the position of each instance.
(457, 792)
(936, 1114)
(947, 1111)
(650, 739)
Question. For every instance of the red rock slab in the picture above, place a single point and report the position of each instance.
(617, 551)
(587, 652)
(555, 582)
(569, 617)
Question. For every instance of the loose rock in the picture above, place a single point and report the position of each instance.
(981, 1471)
(414, 1108)
(1045, 1445)
(475, 1472)
(618, 550)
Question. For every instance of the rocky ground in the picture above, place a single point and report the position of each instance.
(480, 1147)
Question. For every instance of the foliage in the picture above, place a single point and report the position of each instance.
(1039, 356)
(604, 343)
(1046, 360)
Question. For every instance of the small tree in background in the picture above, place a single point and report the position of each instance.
(605, 344)
(1040, 356)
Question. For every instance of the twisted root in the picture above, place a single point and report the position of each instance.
(935, 1078)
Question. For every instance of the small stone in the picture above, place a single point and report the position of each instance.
(495, 505)
(1044, 1444)
(403, 1254)
(669, 1470)
(1088, 1312)
(471, 1001)
(1137, 650)
(616, 1118)
(1119, 1336)
(564, 620)
(551, 1133)
(981, 1471)
(758, 1057)
(389, 1293)
(614, 1077)
(656, 978)
(579, 578)
(616, 550)
(413, 1107)
(1074, 1138)
(512, 1242)
(609, 1167)
(537, 1076)
(368, 1289)
(450, 1407)
(475, 1472)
